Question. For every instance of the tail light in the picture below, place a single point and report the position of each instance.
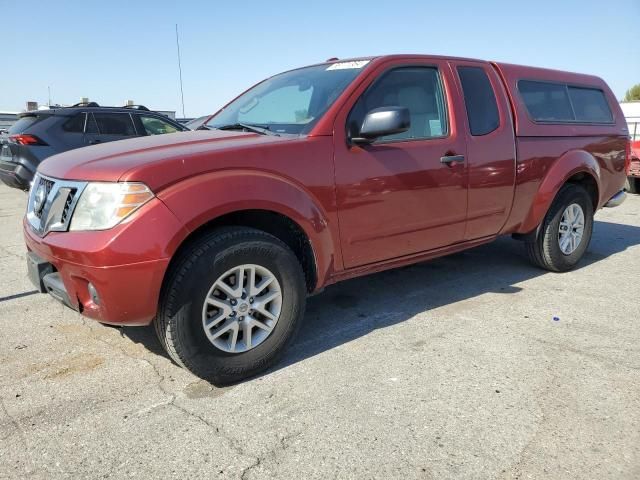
(26, 139)
(627, 156)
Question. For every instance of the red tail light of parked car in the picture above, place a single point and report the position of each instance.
(26, 139)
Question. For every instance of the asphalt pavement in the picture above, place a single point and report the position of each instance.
(473, 366)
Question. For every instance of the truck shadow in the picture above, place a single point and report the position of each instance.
(355, 308)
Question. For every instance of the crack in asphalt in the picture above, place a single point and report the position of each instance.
(516, 471)
(517, 467)
(171, 396)
(23, 438)
(270, 455)
(612, 363)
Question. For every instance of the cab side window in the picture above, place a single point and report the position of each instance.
(417, 88)
(480, 100)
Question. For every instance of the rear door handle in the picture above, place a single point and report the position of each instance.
(449, 159)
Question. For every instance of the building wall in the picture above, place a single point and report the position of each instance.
(631, 111)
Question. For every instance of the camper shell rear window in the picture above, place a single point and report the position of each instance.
(551, 102)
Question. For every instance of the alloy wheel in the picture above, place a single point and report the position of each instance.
(571, 229)
(242, 308)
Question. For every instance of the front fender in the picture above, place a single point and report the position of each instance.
(201, 199)
(565, 167)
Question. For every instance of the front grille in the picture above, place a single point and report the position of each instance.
(48, 185)
(54, 214)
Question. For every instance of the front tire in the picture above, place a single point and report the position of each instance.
(632, 185)
(231, 304)
(565, 232)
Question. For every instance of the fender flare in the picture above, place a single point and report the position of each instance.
(199, 200)
(565, 167)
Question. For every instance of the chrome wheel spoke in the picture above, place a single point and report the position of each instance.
(234, 337)
(265, 299)
(223, 306)
(262, 325)
(263, 311)
(247, 334)
(226, 289)
(264, 283)
(215, 320)
(224, 310)
(224, 329)
(251, 281)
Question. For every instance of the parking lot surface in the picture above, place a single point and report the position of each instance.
(475, 365)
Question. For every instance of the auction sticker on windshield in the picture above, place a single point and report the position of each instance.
(348, 65)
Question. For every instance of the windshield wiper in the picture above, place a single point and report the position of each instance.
(246, 126)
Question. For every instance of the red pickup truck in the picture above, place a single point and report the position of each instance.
(317, 175)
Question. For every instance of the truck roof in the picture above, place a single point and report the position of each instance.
(516, 68)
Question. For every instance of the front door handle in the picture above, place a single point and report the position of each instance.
(449, 159)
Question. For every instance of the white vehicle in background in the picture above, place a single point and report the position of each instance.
(631, 111)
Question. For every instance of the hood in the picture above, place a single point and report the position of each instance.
(155, 160)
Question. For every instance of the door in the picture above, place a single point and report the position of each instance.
(107, 127)
(396, 197)
(491, 156)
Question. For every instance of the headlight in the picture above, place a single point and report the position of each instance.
(104, 205)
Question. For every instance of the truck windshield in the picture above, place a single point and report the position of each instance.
(291, 102)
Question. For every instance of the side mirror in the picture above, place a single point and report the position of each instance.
(383, 121)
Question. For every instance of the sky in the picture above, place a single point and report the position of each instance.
(114, 50)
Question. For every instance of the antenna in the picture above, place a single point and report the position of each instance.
(49, 90)
(180, 71)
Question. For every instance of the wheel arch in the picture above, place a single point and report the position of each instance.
(575, 167)
(268, 221)
(262, 201)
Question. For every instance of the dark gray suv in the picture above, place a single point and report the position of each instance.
(42, 133)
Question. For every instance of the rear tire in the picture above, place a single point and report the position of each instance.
(546, 249)
(632, 185)
(190, 290)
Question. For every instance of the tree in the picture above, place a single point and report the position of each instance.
(633, 93)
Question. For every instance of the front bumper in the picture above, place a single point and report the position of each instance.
(113, 276)
(46, 280)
